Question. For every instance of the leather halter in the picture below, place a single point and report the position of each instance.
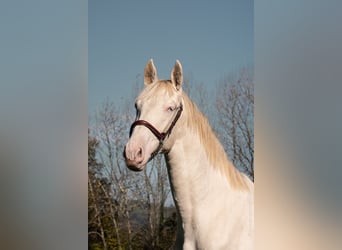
(160, 136)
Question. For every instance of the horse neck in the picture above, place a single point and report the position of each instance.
(199, 151)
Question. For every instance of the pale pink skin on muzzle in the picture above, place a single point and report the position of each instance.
(139, 148)
(134, 156)
(135, 160)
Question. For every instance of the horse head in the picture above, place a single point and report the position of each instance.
(158, 108)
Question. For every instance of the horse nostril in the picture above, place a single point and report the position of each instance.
(139, 154)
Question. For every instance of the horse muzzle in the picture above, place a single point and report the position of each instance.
(133, 165)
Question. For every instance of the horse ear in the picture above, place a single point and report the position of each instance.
(150, 73)
(177, 75)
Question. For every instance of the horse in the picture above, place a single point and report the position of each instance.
(214, 201)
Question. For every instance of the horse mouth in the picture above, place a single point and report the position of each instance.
(134, 167)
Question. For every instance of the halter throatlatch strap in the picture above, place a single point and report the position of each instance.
(161, 136)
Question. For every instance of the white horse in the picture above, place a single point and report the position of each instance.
(215, 202)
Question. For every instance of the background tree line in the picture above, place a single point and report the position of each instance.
(129, 210)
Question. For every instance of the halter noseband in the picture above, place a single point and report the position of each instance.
(160, 136)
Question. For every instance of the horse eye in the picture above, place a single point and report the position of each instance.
(171, 109)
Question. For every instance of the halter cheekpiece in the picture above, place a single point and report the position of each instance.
(160, 135)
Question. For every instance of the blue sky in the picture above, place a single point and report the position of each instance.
(211, 39)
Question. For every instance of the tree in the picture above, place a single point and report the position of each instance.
(110, 129)
(235, 106)
(95, 223)
(157, 192)
(135, 202)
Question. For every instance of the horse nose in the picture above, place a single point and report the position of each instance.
(133, 158)
(134, 155)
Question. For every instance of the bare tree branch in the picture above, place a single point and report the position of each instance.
(235, 103)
